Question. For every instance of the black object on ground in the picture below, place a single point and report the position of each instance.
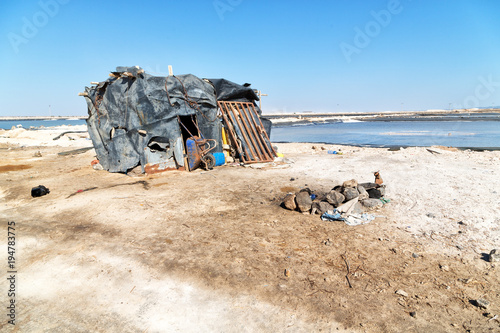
(39, 191)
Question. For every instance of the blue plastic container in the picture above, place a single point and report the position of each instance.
(220, 159)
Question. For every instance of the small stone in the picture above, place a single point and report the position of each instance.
(415, 255)
(413, 314)
(372, 203)
(287, 272)
(321, 207)
(402, 292)
(328, 242)
(481, 303)
(304, 201)
(350, 193)
(444, 268)
(292, 179)
(350, 183)
(98, 167)
(494, 255)
(38, 154)
(431, 215)
(289, 201)
(363, 194)
(335, 198)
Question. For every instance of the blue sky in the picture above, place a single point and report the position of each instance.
(321, 56)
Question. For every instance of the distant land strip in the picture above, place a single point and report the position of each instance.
(43, 118)
(426, 113)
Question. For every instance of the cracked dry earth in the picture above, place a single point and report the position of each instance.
(207, 251)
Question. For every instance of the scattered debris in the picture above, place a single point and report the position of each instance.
(347, 202)
(37, 154)
(445, 268)
(75, 151)
(494, 255)
(97, 167)
(39, 191)
(63, 133)
(401, 292)
(432, 151)
(81, 191)
(481, 303)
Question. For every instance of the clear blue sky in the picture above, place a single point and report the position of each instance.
(320, 56)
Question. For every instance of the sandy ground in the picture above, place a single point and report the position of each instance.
(207, 251)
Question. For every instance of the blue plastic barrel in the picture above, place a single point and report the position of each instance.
(220, 159)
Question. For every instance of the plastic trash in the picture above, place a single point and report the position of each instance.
(39, 191)
(356, 219)
(313, 196)
(332, 217)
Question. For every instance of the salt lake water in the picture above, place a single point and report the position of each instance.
(460, 133)
(7, 124)
(463, 134)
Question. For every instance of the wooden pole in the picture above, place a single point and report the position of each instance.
(260, 94)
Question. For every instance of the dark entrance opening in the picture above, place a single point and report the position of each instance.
(189, 127)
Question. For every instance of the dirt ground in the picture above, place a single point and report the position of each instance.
(208, 251)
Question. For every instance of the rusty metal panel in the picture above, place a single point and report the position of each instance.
(161, 156)
(246, 132)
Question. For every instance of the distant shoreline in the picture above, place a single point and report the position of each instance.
(280, 120)
(24, 118)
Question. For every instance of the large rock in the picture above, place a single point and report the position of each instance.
(362, 193)
(350, 183)
(372, 203)
(321, 207)
(338, 188)
(369, 186)
(289, 201)
(335, 198)
(376, 193)
(350, 193)
(304, 201)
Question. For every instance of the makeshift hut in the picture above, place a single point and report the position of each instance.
(172, 122)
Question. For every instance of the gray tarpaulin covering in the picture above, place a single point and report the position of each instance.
(133, 116)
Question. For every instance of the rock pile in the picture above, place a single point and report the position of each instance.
(368, 195)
